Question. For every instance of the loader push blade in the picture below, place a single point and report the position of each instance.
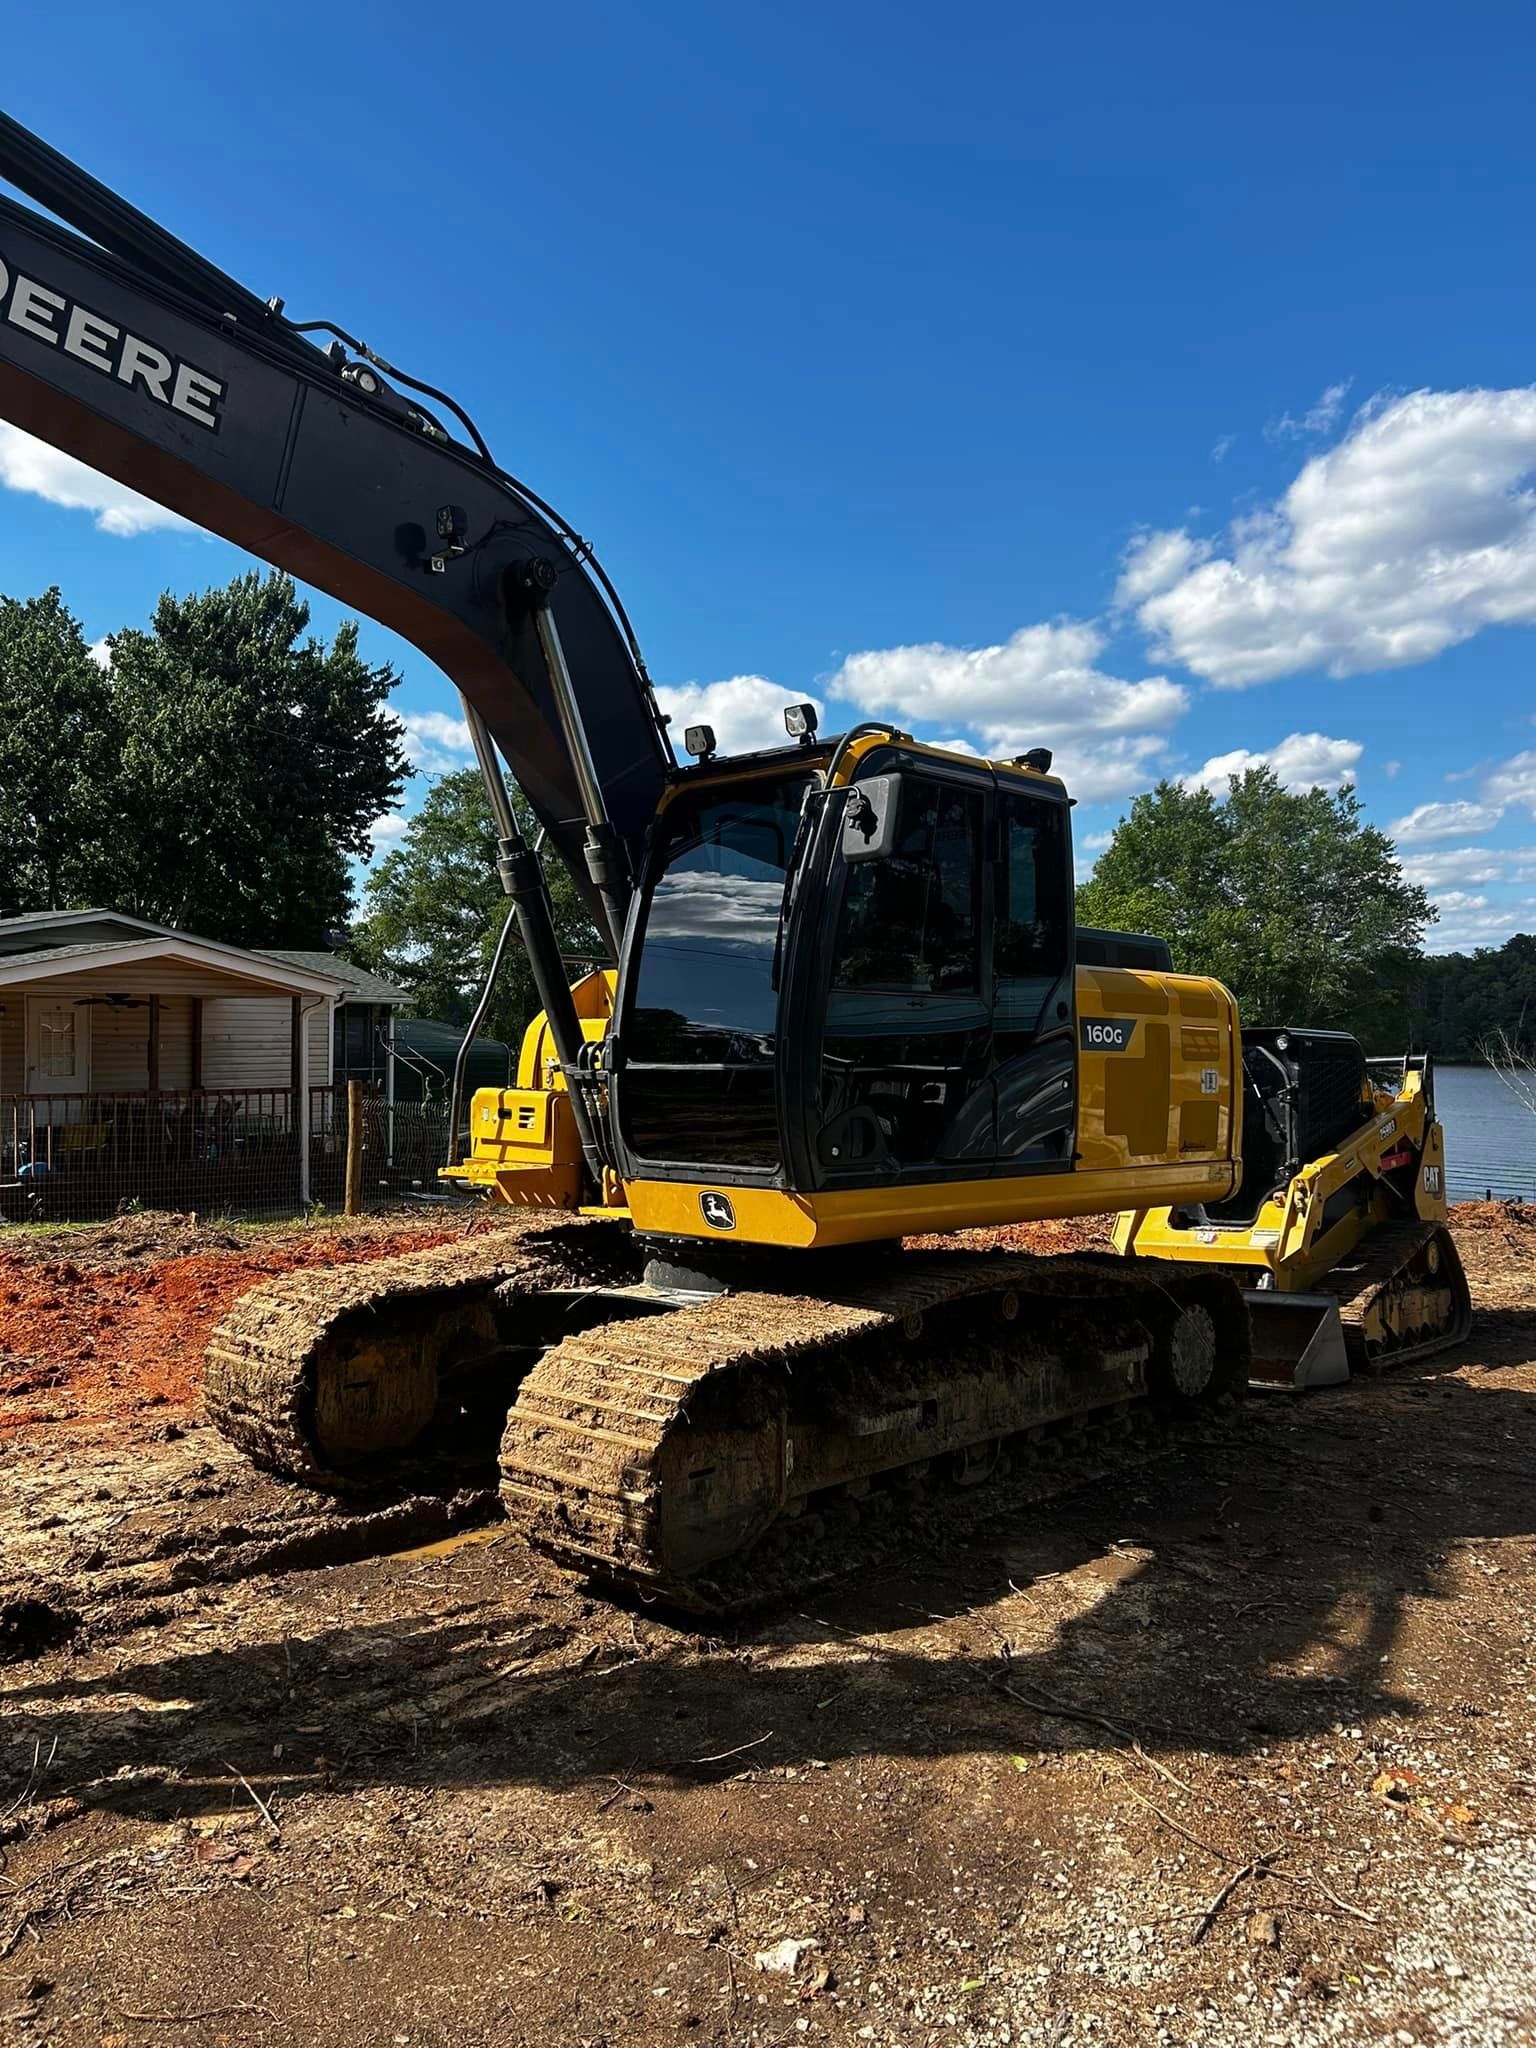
(1298, 1340)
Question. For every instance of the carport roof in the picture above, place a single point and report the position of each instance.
(45, 963)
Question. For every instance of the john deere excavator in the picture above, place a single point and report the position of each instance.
(847, 1005)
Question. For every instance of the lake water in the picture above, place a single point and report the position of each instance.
(1490, 1138)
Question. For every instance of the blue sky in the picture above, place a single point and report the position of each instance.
(1154, 385)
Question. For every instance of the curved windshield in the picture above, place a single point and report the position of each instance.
(699, 1037)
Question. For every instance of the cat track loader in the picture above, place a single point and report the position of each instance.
(1337, 1230)
(845, 1004)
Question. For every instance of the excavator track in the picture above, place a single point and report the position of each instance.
(323, 1373)
(722, 1451)
(1404, 1296)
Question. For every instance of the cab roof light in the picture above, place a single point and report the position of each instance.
(801, 721)
(1038, 758)
(700, 741)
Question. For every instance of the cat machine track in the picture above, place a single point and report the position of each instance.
(1401, 1295)
(1405, 1296)
(709, 1451)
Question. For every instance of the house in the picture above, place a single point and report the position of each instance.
(363, 1032)
(130, 1053)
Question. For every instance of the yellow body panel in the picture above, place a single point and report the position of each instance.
(1157, 1123)
(1286, 1238)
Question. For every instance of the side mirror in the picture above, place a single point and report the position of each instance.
(872, 819)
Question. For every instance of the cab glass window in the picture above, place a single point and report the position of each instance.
(705, 988)
(910, 922)
(1032, 921)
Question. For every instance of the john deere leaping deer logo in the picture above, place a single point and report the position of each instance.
(716, 1210)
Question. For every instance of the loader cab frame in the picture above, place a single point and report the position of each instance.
(807, 1005)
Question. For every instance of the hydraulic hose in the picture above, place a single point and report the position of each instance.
(482, 1010)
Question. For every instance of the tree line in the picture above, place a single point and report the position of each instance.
(1302, 909)
(220, 769)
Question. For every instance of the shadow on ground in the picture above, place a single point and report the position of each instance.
(1234, 1592)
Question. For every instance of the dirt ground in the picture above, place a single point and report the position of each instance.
(1234, 1748)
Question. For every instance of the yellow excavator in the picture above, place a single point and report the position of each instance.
(847, 1003)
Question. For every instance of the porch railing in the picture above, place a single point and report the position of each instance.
(234, 1151)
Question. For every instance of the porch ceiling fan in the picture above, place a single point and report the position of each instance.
(112, 1002)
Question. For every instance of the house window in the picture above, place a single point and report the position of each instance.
(56, 1044)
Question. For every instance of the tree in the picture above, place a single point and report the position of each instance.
(1289, 898)
(434, 906)
(253, 761)
(58, 758)
(1461, 1001)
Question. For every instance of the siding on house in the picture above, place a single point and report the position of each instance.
(246, 1037)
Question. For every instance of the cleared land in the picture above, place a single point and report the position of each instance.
(1234, 1747)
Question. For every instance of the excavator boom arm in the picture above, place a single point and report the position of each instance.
(132, 354)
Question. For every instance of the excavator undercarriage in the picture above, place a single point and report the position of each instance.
(710, 1448)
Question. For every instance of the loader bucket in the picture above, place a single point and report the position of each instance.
(1298, 1340)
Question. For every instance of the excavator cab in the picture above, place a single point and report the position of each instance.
(817, 996)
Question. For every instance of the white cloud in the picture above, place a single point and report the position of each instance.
(1320, 418)
(1096, 772)
(1412, 534)
(1457, 901)
(1514, 782)
(1466, 929)
(1391, 769)
(30, 465)
(436, 742)
(1445, 821)
(746, 712)
(1041, 685)
(100, 653)
(1470, 866)
(386, 832)
(1302, 760)
(1222, 447)
(1157, 561)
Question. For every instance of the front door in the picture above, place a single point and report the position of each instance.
(906, 1086)
(58, 1052)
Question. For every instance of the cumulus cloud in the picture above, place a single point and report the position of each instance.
(1042, 684)
(1096, 772)
(746, 712)
(1445, 821)
(100, 652)
(1412, 534)
(27, 464)
(386, 831)
(1302, 760)
(1467, 928)
(1470, 867)
(435, 741)
(1514, 782)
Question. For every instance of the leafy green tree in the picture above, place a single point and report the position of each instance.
(58, 759)
(1289, 898)
(1461, 1001)
(253, 761)
(434, 906)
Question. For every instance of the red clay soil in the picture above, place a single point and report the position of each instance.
(80, 1342)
